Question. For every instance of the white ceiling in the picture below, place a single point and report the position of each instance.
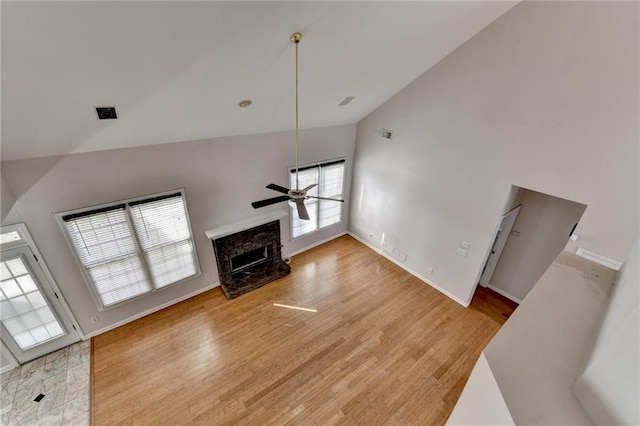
(176, 70)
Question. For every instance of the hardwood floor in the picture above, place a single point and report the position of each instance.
(381, 348)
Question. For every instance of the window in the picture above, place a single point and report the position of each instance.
(322, 213)
(132, 248)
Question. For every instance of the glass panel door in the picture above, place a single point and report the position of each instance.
(33, 321)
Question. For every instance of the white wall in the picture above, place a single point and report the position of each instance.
(221, 178)
(536, 356)
(543, 223)
(609, 388)
(546, 98)
(8, 198)
(481, 402)
(516, 194)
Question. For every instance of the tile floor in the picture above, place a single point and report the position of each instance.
(62, 377)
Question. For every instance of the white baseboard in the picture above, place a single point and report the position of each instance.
(598, 258)
(316, 244)
(504, 293)
(411, 271)
(150, 311)
(7, 368)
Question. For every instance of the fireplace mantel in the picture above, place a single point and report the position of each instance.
(231, 228)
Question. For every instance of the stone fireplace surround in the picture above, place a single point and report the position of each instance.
(242, 238)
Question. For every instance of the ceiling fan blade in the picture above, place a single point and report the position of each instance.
(302, 210)
(269, 201)
(323, 198)
(278, 188)
(309, 187)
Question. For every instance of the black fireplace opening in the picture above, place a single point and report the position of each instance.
(251, 258)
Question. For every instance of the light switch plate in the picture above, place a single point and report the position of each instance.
(465, 244)
(461, 251)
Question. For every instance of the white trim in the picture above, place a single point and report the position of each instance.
(150, 311)
(411, 271)
(598, 258)
(504, 293)
(24, 231)
(316, 244)
(232, 228)
(141, 252)
(6, 354)
(292, 170)
(7, 368)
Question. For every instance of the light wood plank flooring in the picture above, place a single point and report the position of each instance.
(382, 348)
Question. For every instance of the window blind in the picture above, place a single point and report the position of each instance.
(107, 249)
(131, 249)
(322, 213)
(331, 176)
(163, 232)
(306, 177)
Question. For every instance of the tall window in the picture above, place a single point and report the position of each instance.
(134, 247)
(322, 213)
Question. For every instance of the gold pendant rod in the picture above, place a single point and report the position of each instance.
(295, 39)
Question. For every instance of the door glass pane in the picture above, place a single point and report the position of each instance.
(4, 272)
(10, 288)
(25, 312)
(9, 237)
(16, 266)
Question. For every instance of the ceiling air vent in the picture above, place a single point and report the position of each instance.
(106, 113)
(346, 100)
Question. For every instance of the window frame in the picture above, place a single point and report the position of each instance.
(84, 271)
(291, 171)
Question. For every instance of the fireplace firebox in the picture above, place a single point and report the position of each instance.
(251, 258)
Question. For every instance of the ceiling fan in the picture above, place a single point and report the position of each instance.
(295, 195)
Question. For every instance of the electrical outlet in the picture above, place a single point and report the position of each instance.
(461, 251)
(430, 270)
(402, 256)
(387, 247)
(94, 319)
(465, 244)
(207, 276)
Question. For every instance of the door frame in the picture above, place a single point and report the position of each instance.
(497, 246)
(27, 240)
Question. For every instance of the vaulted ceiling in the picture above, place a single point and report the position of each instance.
(176, 70)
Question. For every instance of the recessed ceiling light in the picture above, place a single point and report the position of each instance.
(245, 103)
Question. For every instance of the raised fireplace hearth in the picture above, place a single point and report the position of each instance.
(249, 259)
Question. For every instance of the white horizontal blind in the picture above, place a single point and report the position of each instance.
(107, 249)
(163, 232)
(133, 248)
(331, 178)
(300, 227)
(322, 213)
